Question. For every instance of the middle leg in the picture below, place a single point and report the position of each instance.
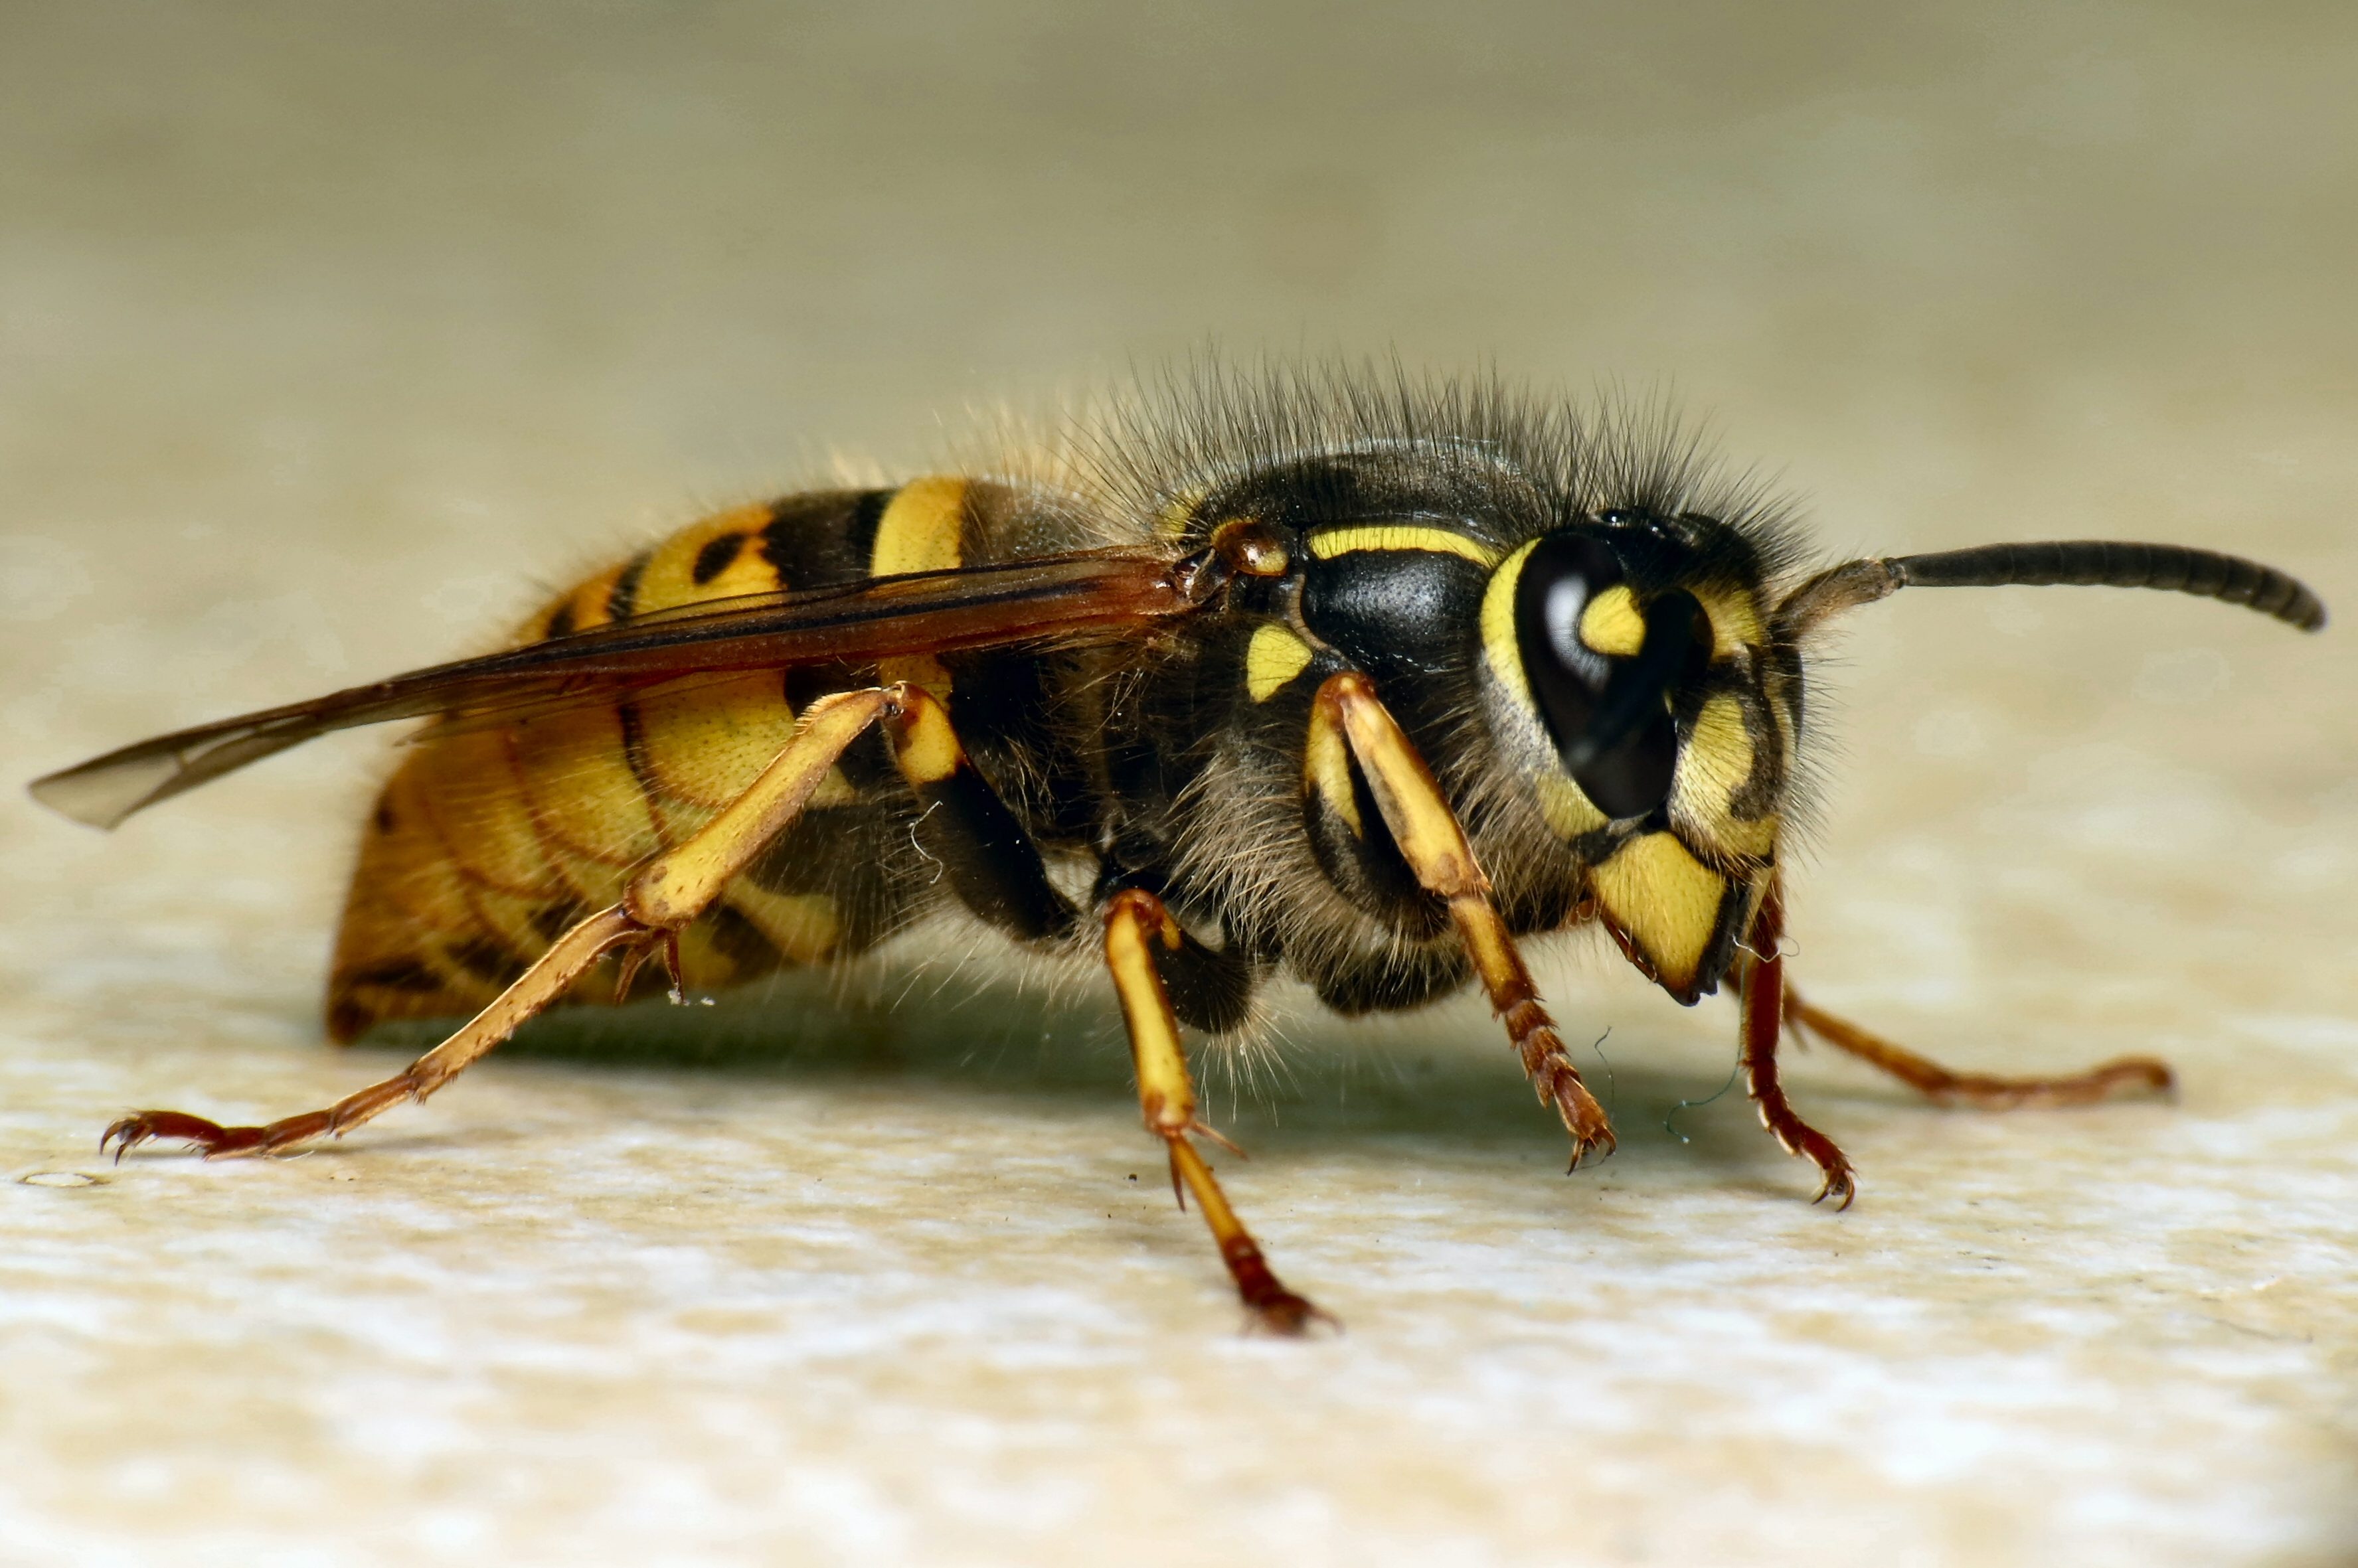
(1136, 925)
(995, 869)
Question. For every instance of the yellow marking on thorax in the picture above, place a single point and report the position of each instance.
(1328, 543)
(923, 530)
(1179, 513)
(1611, 625)
(1716, 763)
(1251, 546)
(1275, 657)
(1664, 899)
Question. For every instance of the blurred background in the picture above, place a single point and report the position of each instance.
(330, 334)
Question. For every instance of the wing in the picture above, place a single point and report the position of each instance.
(1087, 595)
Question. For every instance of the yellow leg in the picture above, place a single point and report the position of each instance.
(1434, 846)
(1984, 1090)
(1135, 923)
(669, 893)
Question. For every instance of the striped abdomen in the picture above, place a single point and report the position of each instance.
(488, 841)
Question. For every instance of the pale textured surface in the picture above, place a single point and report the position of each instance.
(324, 340)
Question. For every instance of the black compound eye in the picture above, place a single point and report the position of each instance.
(1563, 574)
(1612, 730)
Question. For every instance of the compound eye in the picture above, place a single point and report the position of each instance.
(1612, 730)
(1633, 777)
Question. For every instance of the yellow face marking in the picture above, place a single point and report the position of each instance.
(1567, 811)
(1327, 769)
(1275, 657)
(1499, 644)
(1714, 763)
(1611, 625)
(1664, 901)
(923, 530)
(1328, 543)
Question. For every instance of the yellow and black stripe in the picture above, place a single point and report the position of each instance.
(488, 840)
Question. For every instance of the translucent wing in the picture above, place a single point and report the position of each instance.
(1060, 599)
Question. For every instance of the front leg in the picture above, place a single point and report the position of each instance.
(1349, 722)
(1761, 972)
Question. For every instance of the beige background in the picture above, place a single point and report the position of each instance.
(328, 332)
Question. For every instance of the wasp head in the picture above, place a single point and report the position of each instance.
(1633, 655)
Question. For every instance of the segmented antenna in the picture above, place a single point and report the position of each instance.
(2109, 563)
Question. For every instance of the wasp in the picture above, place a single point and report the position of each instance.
(1362, 680)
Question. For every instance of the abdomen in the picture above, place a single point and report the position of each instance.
(490, 840)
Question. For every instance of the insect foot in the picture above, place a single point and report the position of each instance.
(1270, 1307)
(1837, 1178)
(210, 1139)
(1559, 1083)
(635, 951)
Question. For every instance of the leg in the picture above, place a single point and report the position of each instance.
(1983, 1090)
(995, 869)
(1762, 974)
(987, 857)
(670, 892)
(1136, 925)
(1348, 712)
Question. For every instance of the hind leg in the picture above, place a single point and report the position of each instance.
(1984, 1090)
(666, 896)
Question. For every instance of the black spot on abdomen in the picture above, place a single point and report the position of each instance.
(716, 557)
